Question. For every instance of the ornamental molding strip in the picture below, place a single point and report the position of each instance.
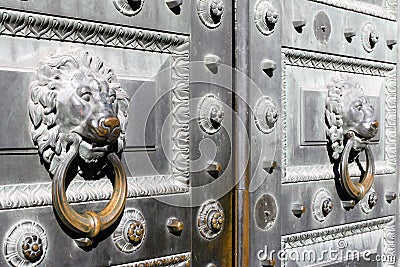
(305, 59)
(34, 195)
(168, 261)
(362, 7)
(314, 60)
(334, 233)
(30, 25)
(312, 238)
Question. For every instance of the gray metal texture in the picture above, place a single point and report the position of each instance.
(226, 132)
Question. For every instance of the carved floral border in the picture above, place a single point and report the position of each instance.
(313, 238)
(169, 261)
(306, 59)
(43, 27)
(364, 8)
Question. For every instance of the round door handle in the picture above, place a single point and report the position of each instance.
(90, 223)
(357, 190)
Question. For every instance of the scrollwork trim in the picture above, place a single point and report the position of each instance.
(360, 7)
(168, 261)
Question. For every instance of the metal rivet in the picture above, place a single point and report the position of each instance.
(349, 33)
(268, 263)
(212, 62)
(83, 242)
(298, 209)
(390, 196)
(268, 165)
(300, 23)
(175, 226)
(348, 204)
(391, 42)
(268, 65)
(214, 169)
(173, 3)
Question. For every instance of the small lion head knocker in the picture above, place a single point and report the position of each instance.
(78, 110)
(351, 123)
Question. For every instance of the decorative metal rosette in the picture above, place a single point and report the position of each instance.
(211, 113)
(210, 12)
(25, 244)
(265, 16)
(128, 7)
(369, 37)
(369, 201)
(322, 204)
(210, 219)
(266, 115)
(265, 212)
(130, 232)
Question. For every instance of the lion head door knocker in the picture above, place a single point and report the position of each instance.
(351, 123)
(79, 114)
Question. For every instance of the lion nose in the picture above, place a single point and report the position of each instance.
(111, 123)
(375, 124)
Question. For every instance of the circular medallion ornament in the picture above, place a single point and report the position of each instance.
(322, 204)
(265, 16)
(210, 219)
(211, 114)
(369, 37)
(266, 115)
(210, 12)
(130, 232)
(265, 212)
(128, 7)
(369, 201)
(25, 244)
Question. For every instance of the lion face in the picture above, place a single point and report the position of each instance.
(359, 115)
(348, 109)
(75, 93)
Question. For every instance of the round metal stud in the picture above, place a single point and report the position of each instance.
(128, 7)
(369, 201)
(322, 27)
(210, 219)
(369, 37)
(211, 114)
(130, 232)
(266, 115)
(25, 244)
(322, 204)
(210, 12)
(265, 212)
(265, 16)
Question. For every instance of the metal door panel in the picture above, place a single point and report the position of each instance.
(307, 194)
(211, 78)
(151, 64)
(62, 249)
(340, 21)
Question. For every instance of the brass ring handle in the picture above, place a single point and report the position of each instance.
(359, 189)
(90, 223)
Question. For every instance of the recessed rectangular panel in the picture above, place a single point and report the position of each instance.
(15, 130)
(141, 129)
(312, 117)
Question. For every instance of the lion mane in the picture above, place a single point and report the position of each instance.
(334, 111)
(46, 133)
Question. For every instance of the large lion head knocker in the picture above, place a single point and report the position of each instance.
(351, 123)
(78, 111)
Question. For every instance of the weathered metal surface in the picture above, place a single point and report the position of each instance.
(226, 156)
